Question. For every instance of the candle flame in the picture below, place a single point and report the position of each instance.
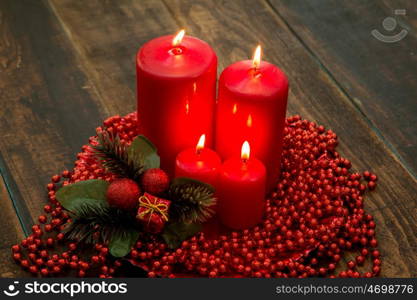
(256, 61)
(201, 142)
(178, 38)
(245, 151)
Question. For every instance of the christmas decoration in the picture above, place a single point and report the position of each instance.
(93, 219)
(98, 223)
(123, 193)
(155, 181)
(153, 212)
(315, 216)
(193, 200)
(98, 208)
(115, 157)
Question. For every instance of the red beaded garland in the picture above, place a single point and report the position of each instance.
(314, 215)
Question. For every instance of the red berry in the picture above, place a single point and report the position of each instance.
(155, 181)
(123, 193)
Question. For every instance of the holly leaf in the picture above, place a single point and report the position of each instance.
(175, 233)
(121, 244)
(144, 147)
(186, 180)
(72, 195)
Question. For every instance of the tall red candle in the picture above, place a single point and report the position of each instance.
(252, 103)
(241, 191)
(176, 88)
(198, 163)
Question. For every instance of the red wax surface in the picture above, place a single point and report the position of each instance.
(241, 193)
(202, 165)
(176, 88)
(252, 106)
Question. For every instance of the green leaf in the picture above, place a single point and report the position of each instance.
(186, 180)
(76, 203)
(175, 233)
(121, 244)
(141, 145)
(72, 195)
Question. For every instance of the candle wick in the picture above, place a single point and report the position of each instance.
(176, 50)
(256, 72)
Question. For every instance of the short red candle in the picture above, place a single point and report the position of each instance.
(198, 163)
(176, 88)
(251, 106)
(241, 191)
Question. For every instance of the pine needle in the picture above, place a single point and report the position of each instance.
(193, 203)
(98, 223)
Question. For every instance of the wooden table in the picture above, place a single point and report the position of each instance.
(67, 65)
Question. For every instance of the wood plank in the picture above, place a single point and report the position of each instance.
(396, 234)
(11, 233)
(234, 28)
(378, 77)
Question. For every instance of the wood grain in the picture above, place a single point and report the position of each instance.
(315, 96)
(48, 110)
(379, 78)
(66, 65)
(11, 233)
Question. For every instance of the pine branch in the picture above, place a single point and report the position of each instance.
(115, 157)
(191, 203)
(98, 223)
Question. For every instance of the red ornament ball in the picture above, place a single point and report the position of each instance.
(155, 181)
(123, 193)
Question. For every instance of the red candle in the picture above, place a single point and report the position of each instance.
(251, 106)
(198, 163)
(241, 191)
(176, 88)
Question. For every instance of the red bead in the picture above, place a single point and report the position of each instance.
(50, 263)
(24, 263)
(17, 256)
(44, 272)
(72, 246)
(95, 259)
(371, 185)
(33, 269)
(368, 275)
(376, 270)
(360, 260)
